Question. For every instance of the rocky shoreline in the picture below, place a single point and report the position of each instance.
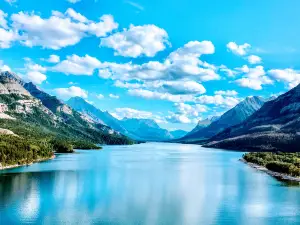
(279, 176)
(17, 165)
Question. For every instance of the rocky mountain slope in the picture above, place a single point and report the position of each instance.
(274, 127)
(202, 124)
(90, 111)
(230, 118)
(24, 109)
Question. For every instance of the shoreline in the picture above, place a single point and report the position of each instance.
(17, 165)
(277, 175)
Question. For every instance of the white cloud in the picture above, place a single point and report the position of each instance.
(159, 96)
(36, 77)
(122, 113)
(190, 110)
(114, 96)
(254, 78)
(177, 118)
(243, 69)
(35, 73)
(73, 1)
(288, 76)
(4, 67)
(226, 93)
(35, 67)
(102, 28)
(100, 96)
(146, 40)
(7, 37)
(59, 30)
(72, 91)
(254, 59)
(3, 21)
(77, 65)
(183, 63)
(53, 59)
(238, 49)
(218, 100)
(76, 16)
(229, 72)
(183, 87)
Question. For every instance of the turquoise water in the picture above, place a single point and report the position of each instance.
(151, 183)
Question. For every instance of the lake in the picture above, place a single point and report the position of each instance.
(152, 183)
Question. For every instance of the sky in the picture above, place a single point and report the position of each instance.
(173, 61)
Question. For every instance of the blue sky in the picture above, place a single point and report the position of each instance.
(170, 60)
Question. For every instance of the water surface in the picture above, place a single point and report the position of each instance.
(151, 183)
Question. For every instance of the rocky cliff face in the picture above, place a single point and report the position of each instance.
(10, 83)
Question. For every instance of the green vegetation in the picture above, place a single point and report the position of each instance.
(15, 150)
(287, 163)
(40, 132)
(61, 146)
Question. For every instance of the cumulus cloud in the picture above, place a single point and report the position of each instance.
(226, 93)
(240, 50)
(35, 73)
(288, 76)
(60, 29)
(72, 91)
(182, 63)
(183, 87)
(114, 96)
(73, 1)
(76, 16)
(218, 100)
(36, 77)
(3, 21)
(137, 41)
(227, 71)
(11, 1)
(254, 78)
(122, 113)
(100, 96)
(147, 94)
(77, 65)
(254, 59)
(53, 59)
(177, 118)
(7, 37)
(4, 67)
(190, 110)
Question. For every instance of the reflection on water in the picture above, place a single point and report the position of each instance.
(146, 184)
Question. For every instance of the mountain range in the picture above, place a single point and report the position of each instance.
(208, 128)
(274, 127)
(138, 129)
(25, 109)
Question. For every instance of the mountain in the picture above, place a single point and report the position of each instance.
(178, 133)
(274, 127)
(28, 111)
(138, 129)
(202, 124)
(146, 129)
(230, 118)
(96, 114)
(10, 83)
